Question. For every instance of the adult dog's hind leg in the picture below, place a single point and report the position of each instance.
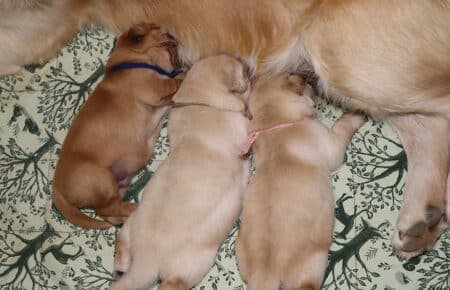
(420, 222)
(35, 34)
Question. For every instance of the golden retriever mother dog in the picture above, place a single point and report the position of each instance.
(388, 58)
(288, 216)
(113, 135)
(195, 196)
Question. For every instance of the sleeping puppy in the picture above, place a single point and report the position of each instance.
(288, 215)
(195, 196)
(114, 133)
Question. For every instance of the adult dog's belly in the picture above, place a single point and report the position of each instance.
(383, 56)
(262, 32)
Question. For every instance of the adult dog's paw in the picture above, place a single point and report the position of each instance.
(414, 239)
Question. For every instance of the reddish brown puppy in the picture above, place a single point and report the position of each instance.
(114, 133)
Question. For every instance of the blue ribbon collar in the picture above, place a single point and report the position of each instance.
(130, 65)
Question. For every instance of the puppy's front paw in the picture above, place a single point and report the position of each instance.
(355, 119)
(122, 259)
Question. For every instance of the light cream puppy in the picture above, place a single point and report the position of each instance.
(195, 196)
(288, 216)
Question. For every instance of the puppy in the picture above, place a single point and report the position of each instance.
(195, 196)
(288, 215)
(114, 133)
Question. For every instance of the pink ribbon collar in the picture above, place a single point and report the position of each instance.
(254, 135)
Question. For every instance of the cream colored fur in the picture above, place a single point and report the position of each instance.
(288, 216)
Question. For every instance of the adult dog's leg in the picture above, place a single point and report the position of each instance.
(34, 34)
(420, 221)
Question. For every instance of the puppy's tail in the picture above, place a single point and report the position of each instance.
(75, 216)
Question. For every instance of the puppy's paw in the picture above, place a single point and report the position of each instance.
(355, 119)
(239, 85)
(122, 259)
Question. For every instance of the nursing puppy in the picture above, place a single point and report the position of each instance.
(114, 133)
(398, 72)
(195, 196)
(288, 215)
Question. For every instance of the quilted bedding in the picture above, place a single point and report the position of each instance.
(40, 250)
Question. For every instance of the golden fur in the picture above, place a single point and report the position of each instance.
(389, 58)
(404, 59)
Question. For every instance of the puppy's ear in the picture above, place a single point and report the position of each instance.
(239, 79)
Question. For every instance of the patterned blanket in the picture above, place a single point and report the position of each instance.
(40, 250)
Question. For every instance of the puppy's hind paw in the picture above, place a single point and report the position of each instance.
(355, 119)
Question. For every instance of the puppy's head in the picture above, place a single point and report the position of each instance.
(146, 43)
(279, 98)
(219, 81)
